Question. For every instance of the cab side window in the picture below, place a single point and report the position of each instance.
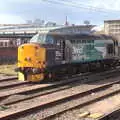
(49, 40)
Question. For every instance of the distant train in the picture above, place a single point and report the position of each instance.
(8, 51)
(53, 55)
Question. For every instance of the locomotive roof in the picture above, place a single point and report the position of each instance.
(49, 37)
(75, 35)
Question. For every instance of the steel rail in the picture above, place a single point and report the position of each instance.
(84, 78)
(38, 104)
(8, 79)
(108, 115)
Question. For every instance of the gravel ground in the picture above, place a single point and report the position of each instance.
(27, 95)
(71, 115)
(10, 82)
(14, 88)
(81, 87)
(58, 107)
(77, 86)
(101, 107)
(3, 76)
(8, 70)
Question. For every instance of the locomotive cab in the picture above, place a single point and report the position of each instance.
(31, 60)
(37, 58)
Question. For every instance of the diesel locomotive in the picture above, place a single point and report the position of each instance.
(51, 55)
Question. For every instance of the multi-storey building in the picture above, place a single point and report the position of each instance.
(112, 27)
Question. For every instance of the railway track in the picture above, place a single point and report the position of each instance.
(50, 100)
(51, 87)
(112, 115)
(8, 79)
(11, 84)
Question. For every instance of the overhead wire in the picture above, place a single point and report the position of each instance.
(80, 5)
(90, 6)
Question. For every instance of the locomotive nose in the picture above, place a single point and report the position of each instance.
(31, 58)
(27, 54)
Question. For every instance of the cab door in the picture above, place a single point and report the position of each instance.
(110, 49)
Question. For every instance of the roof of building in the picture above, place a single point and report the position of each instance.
(112, 20)
(39, 29)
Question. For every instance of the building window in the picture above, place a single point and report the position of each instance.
(11, 43)
(1, 44)
(6, 44)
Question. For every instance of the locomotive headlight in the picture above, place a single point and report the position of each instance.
(36, 47)
(35, 70)
(28, 59)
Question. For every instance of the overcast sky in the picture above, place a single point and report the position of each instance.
(18, 11)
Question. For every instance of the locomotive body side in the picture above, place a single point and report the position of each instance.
(91, 50)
